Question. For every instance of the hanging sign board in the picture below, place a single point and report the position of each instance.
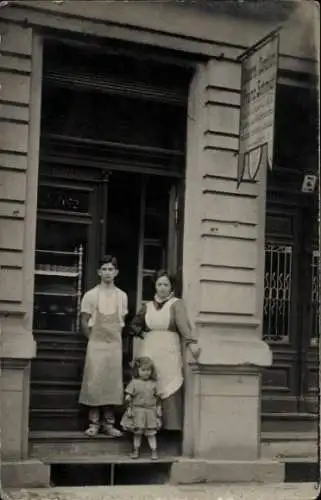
(257, 113)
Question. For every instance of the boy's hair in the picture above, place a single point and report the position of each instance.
(143, 361)
(108, 259)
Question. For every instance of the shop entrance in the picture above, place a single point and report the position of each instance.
(110, 182)
(130, 215)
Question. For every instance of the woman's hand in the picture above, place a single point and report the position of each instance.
(195, 350)
(134, 331)
(129, 412)
(158, 423)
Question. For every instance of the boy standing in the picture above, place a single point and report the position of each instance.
(103, 310)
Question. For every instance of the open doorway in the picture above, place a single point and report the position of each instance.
(129, 216)
(110, 181)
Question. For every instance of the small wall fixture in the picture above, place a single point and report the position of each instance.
(309, 183)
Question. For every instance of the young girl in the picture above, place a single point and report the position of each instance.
(143, 413)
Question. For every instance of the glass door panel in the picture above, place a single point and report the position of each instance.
(153, 234)
(157, 245)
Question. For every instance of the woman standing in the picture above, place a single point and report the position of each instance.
(164, 327)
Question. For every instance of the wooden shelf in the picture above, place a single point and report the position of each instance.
(57, 294)
(57, 313)
(153, 242)
(57, 252)
(66, 274)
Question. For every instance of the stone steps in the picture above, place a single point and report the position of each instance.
(47, 446)
(289, 422)
(287, 446)
(73, 456)
(60, 445)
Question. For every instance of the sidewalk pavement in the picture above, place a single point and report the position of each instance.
(284, 491)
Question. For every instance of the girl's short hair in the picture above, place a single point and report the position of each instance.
(144, 361)
(108, 259)
(161, 273)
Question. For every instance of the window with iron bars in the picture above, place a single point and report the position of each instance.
(315, 298)
(278, 293)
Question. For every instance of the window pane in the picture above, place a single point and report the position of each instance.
(154, 257)
(148, 288)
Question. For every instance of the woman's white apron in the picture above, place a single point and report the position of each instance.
(164, 348)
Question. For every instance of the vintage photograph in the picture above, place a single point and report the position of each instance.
(159, 249)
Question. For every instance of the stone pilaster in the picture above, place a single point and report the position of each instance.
(20, 79)
(223, 275)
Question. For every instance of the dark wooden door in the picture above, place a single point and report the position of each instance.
(290, 323)
(281, 314)
(290, 295)
(67, 222)
(310, 266)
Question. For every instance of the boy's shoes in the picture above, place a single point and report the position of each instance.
(111, 431)
(135, 454)
(154, 455)
(92, 430)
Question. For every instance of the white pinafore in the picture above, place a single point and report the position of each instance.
(164, 348)
(102, 382)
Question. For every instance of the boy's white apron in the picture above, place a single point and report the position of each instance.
(164, 348)
(102, 382)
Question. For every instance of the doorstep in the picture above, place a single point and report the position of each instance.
(289, 422)
(49, 450)
(289, 445)
(45, 445)
(166, 470)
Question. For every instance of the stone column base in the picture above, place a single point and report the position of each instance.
(225, 415)
(222, 398)
(193, 470)
(25, 474)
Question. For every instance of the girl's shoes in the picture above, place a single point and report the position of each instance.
(135, 454)
(92, 430)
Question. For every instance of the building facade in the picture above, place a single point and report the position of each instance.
(119, 134)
